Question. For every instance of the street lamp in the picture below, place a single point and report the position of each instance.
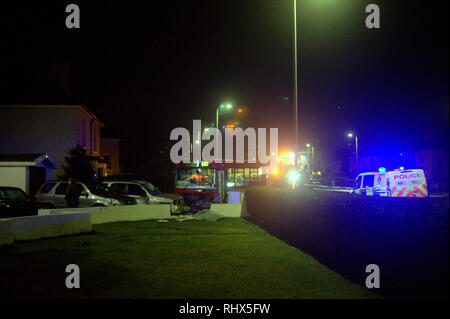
(312, 155)
(221, 107)
(295, 84)
(350, 135)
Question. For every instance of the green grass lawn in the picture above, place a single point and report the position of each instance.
(230, 258)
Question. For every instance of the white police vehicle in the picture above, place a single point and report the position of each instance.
(396, 183)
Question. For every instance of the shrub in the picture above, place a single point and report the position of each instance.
(406, 237)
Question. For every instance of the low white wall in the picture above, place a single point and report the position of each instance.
(43, 212)
(244, 212)
(34, 227)
(227, 210)
(6, 236)
(130, 213)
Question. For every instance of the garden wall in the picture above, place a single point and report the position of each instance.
(101, 215)
(34, 227)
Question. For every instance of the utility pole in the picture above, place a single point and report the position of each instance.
(295, 86)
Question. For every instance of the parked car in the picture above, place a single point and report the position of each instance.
(14, 202)
(52, 195)
(145, 193)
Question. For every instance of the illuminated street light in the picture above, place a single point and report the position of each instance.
(312, 155)
(221, 107)
(295, 84)
(350, 135)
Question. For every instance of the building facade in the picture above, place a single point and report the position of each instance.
(50, 129)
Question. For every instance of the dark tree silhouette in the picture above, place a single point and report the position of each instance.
(78, 165)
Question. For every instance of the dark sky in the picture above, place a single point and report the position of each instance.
(146, 67)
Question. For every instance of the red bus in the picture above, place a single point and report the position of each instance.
(204, 183)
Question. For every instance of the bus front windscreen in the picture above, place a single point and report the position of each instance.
(188, 177)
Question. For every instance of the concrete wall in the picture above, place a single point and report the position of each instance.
(6, 236)
(45, 212)
(130, 213)
(227, 210)
(34, 227)
(14, 176)
(101, 215)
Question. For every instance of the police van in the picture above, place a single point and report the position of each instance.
(396, 183)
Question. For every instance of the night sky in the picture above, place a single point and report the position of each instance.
(145, 68)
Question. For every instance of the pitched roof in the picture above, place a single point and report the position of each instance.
(20, 157)
(38, 158)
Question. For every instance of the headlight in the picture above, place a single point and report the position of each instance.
(293, 176)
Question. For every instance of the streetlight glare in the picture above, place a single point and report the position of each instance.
(308, 145)
(350, 134)
(221, 107)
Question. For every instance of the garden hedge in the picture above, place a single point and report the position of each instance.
(406, 237)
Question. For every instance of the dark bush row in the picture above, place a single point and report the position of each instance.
(406, 237)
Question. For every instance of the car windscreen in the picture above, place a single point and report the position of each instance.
(151, 188)
(195, 177)
(12, 194)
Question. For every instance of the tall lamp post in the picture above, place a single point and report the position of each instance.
(221, 107)
(295, 86)
(350, 135)
(312, 155)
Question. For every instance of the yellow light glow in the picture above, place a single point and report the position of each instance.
(275, 171)
(287, 155)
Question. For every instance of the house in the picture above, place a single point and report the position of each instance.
(50, 129)
(26, 171)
